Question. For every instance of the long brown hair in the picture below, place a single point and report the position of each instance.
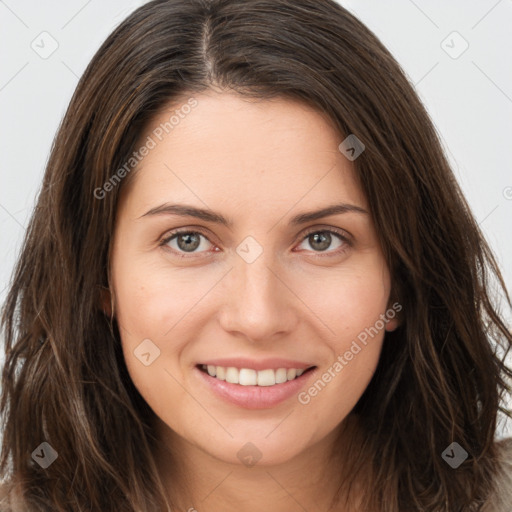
(440, 378)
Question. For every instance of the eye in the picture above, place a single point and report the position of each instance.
(185, 241)
(321, 239)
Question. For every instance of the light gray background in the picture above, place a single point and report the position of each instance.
(469, 96)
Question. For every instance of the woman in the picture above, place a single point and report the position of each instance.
(252, 282)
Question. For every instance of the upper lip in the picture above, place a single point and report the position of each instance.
(261, 364)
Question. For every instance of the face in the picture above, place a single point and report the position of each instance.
(256, 290)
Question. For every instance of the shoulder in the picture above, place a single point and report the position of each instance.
(502, 498)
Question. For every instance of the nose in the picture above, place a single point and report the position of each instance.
(259, 304)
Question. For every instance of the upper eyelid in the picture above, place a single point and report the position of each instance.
(337, 231)
(178, 231)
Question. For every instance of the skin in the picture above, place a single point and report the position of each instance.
(258, 163)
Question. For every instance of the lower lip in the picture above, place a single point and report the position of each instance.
(255, 397)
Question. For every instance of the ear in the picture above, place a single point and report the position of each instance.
(394, 315)
(392, 324)
(105, 300)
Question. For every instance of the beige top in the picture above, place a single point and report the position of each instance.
(501, 501)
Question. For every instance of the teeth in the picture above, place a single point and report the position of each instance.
(232, 375)
(266, 378)
(220, 372)
(281, 376)
(249, 377)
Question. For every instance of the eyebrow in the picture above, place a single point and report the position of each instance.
(184, 210)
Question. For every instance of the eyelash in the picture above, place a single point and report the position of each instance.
(337, 232)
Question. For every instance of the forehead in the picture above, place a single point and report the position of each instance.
(230, 150)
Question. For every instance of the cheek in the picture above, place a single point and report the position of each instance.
(354, 356)
(352, 306)
(349, 301)
(157, 310)
(152, 315)
(151, 298)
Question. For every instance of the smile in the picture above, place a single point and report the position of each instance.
(253, 389)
